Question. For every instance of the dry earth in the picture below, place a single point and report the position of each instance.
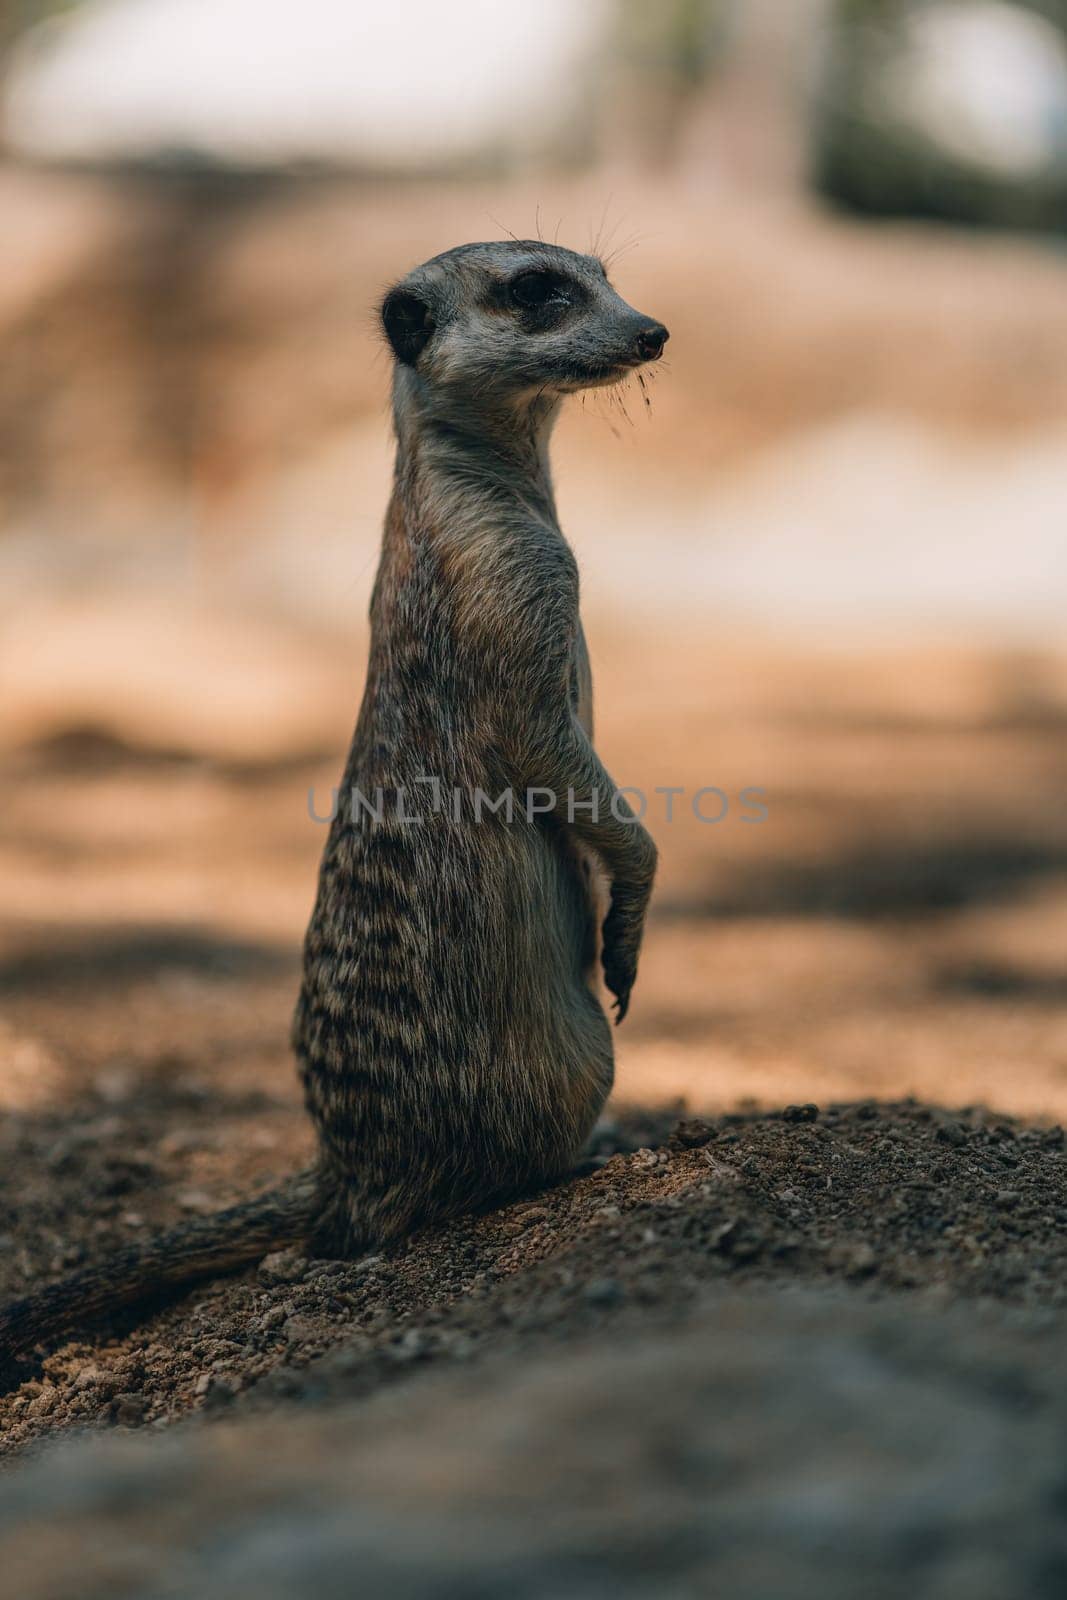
(759, 1350)
(782, 1355)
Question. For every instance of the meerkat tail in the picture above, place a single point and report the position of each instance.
(206, 1247)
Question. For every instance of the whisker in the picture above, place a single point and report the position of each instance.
(628, 244)
(503, 228)
(617, 390)
(613, 230)
(595, 250)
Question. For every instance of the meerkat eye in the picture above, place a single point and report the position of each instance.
(532, 289)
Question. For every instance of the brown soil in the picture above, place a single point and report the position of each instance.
(887, 1197)
(895, 928)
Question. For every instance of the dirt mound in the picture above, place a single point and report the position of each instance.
(697, 1368)
(877, 1197)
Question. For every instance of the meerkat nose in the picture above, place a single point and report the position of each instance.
(650, 341)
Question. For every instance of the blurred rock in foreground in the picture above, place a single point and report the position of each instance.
(780, 1445)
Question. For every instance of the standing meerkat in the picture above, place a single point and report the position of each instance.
(449, 1037)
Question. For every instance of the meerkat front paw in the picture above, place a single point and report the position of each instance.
(623, 927)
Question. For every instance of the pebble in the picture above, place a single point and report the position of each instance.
(300, 1330)
(806, 1113)
(412, 1345)
(93, 1378)
(692, 1133)
(129, 1409)
(282, 1266)
(861, 1261)
(365, 1267)
(220, 1393)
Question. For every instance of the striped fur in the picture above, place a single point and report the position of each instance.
(449, 1037)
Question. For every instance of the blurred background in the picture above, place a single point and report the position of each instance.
(826, 558)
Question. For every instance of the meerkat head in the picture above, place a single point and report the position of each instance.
(514, 320)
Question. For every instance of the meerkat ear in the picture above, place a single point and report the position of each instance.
(408, 323)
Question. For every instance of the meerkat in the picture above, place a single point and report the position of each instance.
(449, 1036)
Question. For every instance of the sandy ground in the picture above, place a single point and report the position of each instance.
(890, 929)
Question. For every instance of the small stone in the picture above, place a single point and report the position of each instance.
(1006, 1199)
(324, 1270)
(805, 1113)
(300, 1330)
(693, 1132)
(951, 1133)
(282, 1266)
(128, 1409)
(412, 1345)
(366, 1267)
(219, 1394)
(91, 1378)
(860, 1262)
